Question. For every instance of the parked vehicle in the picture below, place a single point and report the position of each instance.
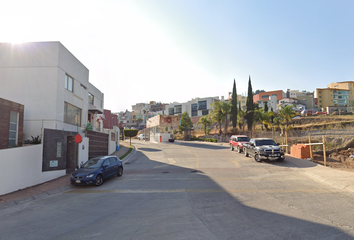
(96, 170)
(237, 141)
(141, 137)
(263, 149)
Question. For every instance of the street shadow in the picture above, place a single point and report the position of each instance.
(201, 145)
(222, 213)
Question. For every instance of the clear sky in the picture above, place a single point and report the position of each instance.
(175, 50)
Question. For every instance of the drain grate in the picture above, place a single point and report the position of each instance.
(165, 172)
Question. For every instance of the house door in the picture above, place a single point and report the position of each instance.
(71, 154)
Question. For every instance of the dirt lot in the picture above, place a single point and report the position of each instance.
(343, 159)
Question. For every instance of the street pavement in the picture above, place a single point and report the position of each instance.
(52, 187)
(339, 179)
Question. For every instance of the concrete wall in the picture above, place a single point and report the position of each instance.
(83, 151)
(27, 161)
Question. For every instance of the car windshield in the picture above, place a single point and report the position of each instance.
(243, 139)
(265, 142)
(93, 163)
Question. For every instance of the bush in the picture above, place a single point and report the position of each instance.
(210, 140)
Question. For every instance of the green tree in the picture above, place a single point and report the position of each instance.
(266, 106)
(139, 120)
(130, 133)
(226, 110)
(186, 122)
(217, 114)
(250, 106)
(205, 122)
(286, 114)
(234, 106)
(241, 119)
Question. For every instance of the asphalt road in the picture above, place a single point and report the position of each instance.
(189, 191)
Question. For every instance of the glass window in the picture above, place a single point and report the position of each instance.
(69, 82)
(202, 105)
(178, 109)
(90, 98)
(205, 112)
(113, 160)
(13, 129)
(194, 109)
(72, 114)
(171, 111)
(266, 96)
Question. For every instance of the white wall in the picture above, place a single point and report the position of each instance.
(22, 167)
(83, 151)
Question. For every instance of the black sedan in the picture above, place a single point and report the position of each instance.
(96, 170)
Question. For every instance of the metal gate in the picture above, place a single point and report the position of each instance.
(98, 143)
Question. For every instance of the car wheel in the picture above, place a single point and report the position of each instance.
(231, 147)
(280, 159)
(246, 153)
(256, 157)
(239, 150)
(99, 180)
(120, 172)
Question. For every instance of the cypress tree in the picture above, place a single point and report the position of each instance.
(234, 106)
(250, 106)
(266, 106)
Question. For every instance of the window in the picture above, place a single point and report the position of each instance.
(171, 111)
(202, 105)
(178, 109)
(90, 98)
(69, 82)
(13, 129)
(194, 109)
(205, 112)
(72, 114)
(113, 136)
(265, 96)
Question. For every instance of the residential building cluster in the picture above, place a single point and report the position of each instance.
(46, 95)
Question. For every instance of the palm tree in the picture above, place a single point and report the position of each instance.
(263, 117)
(287, 113)
(226, 110)
(205, 122)
(217, 114)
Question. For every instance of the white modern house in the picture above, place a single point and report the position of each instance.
(59, 101)
(271, 102)
(196, 108)
(53, 85)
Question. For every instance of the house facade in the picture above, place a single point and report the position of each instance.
(265, 95)
(53, 85)
(196, 108)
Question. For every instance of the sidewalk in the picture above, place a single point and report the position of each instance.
(49, 188)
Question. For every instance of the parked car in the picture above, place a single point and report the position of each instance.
(96, 170)
(141, 137)
(237, 141)
(263, 149)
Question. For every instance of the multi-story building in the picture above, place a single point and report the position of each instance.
(52, 84)
(264, 96)
(327, 97)
(241, 100)
(271, 102)
(196, 108)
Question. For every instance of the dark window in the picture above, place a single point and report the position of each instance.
(205, 112)
(194, 109)
(202, 105)
(171, 111)
(178, 109)
(72, 114)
